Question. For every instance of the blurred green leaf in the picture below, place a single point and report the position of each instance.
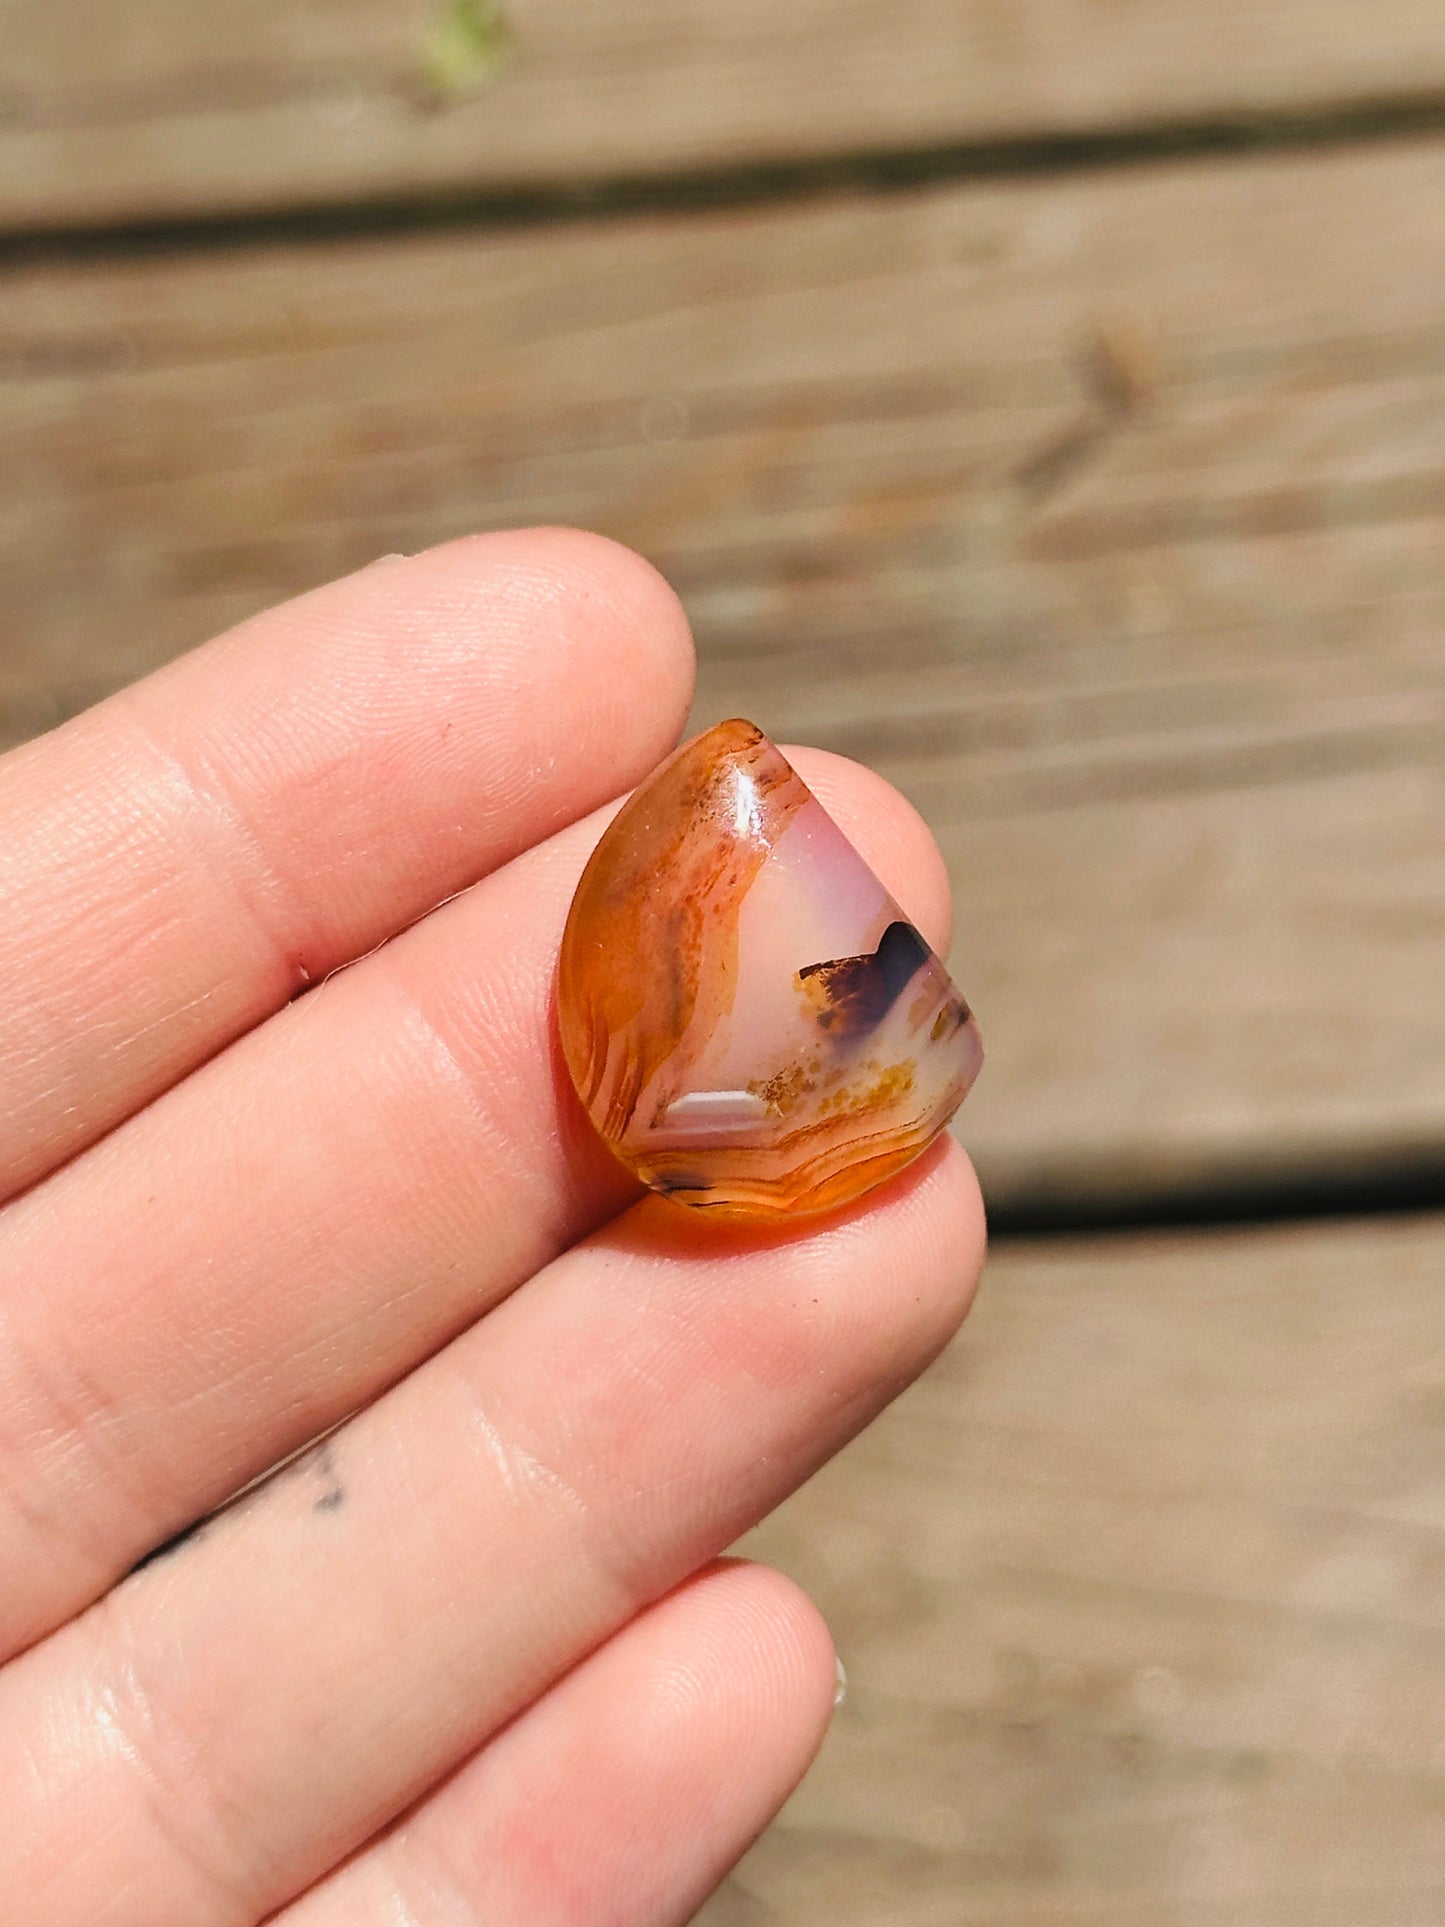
(466, 48)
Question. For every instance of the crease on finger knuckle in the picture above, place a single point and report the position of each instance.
(169, 1776)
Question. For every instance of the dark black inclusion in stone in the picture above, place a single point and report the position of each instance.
(900, 955)
(859, 992)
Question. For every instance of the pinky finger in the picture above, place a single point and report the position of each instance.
(627, 1791)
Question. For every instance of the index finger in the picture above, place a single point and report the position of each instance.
(180, 861)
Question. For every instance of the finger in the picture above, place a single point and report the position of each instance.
(343, 1190)
(177, 863)
(628, 1790)
(394, 1600)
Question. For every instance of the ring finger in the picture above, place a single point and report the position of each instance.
(627, 1790)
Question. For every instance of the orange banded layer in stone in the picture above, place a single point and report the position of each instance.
(751, 1022)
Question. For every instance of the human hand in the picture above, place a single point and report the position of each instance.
(240, 1216)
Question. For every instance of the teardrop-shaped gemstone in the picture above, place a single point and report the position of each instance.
(751, 1021)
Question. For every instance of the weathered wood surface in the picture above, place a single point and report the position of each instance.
(1104, 513)
(1107, 517)
(1141, 1593)
(164, 107)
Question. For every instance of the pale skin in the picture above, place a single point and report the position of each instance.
(286, 1150)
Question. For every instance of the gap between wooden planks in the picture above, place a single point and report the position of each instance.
(1106, 516)
(1140, 1595)
(162, 108)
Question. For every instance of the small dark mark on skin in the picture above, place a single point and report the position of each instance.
(176, 1542)
(333, 1495)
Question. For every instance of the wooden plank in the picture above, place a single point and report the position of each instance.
(1107, 517)
(163, 107)
(1140, 1595)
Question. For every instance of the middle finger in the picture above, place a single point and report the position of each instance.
(337, 1195)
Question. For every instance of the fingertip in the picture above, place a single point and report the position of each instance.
(616, 571)
(614, 594)
(607, 611)
(618, 575)
(779, 1666)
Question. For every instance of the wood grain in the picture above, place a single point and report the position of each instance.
(1140, 1595)
(1107, 516)
(162, 107)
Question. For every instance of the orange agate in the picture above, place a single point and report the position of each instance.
(751, 1022)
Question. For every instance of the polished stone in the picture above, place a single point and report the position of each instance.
(751, 1021)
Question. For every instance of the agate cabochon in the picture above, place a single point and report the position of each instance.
(751, 1022)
